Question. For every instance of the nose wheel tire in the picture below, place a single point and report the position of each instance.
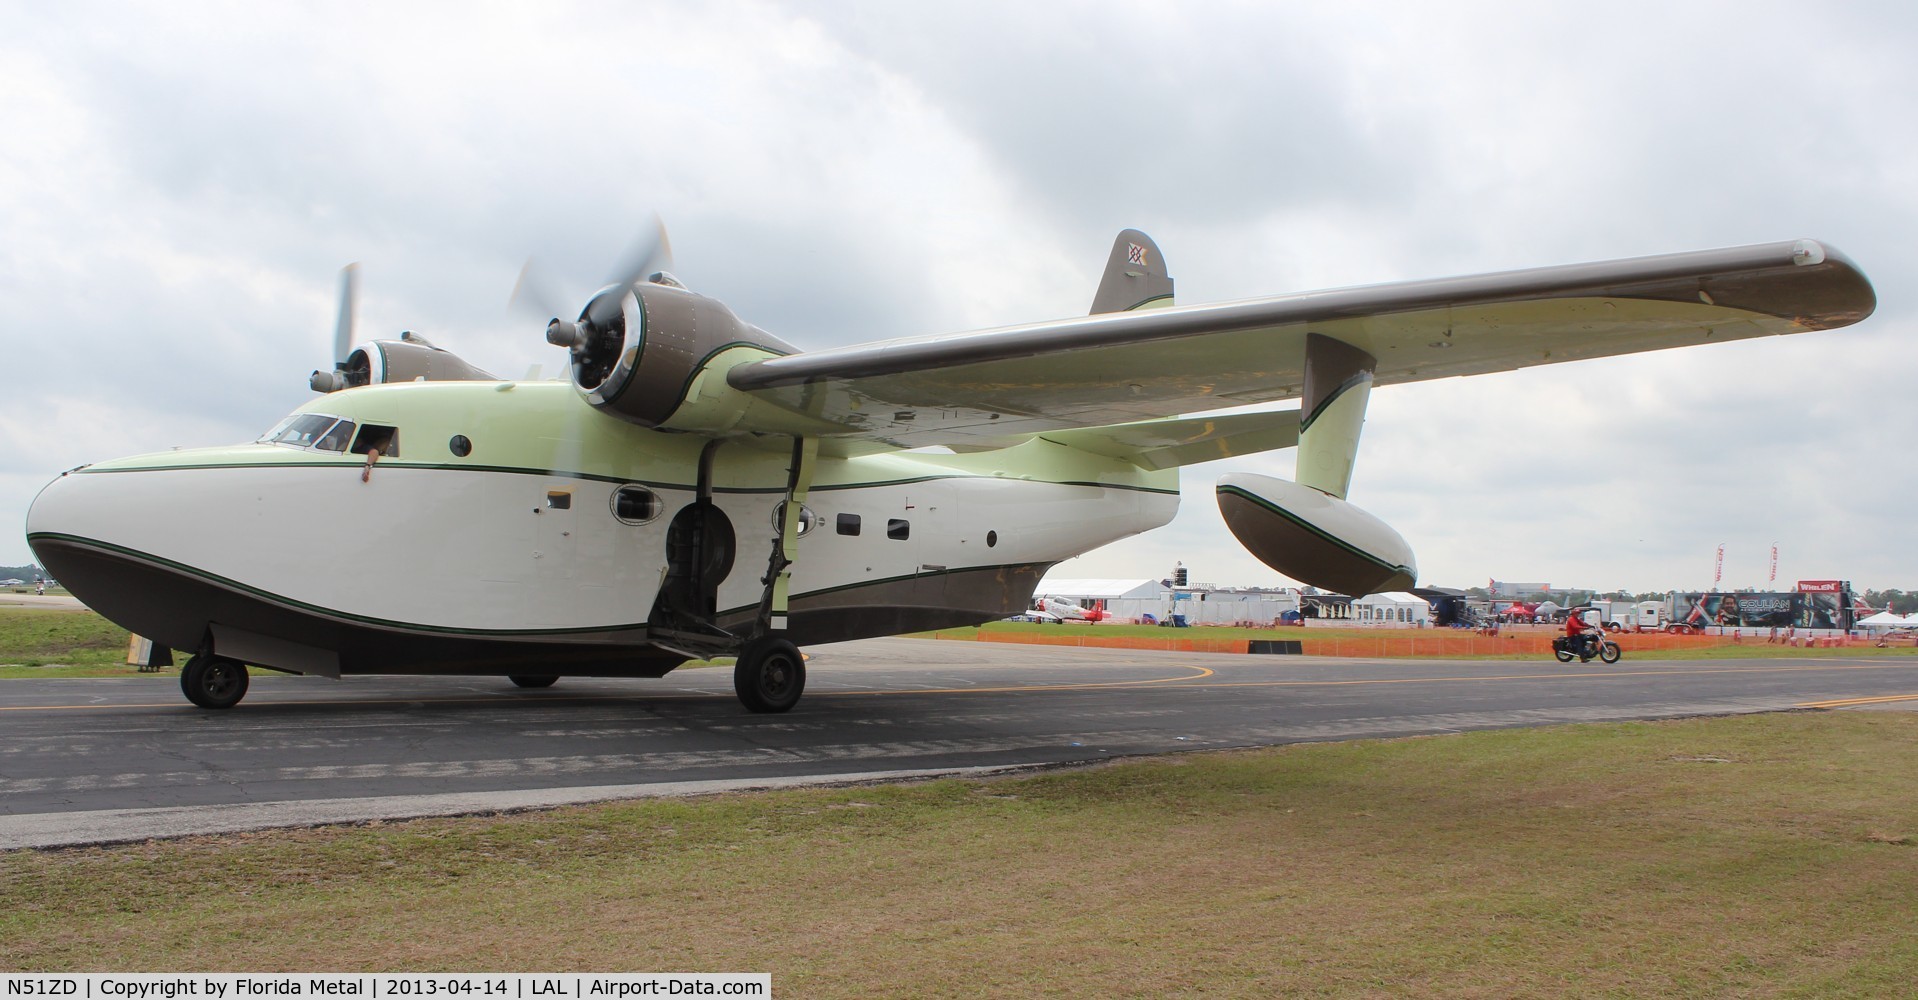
(770, 675)
(213, 681)
(533, 681)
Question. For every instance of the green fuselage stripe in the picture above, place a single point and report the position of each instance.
(231, 584)
(281, 599)
(398, 464)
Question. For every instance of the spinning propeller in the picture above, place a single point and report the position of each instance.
(595, 338)
(342, 374)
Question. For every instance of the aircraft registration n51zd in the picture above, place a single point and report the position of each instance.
(700, 488)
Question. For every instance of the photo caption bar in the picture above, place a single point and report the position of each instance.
(386, 985)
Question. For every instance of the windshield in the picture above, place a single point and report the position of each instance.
(312, 430)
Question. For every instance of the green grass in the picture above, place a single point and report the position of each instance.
(1749, 856)
(39, 642)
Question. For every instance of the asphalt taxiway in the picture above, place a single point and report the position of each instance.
(106, 760)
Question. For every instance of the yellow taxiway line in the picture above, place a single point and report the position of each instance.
(1849, 702)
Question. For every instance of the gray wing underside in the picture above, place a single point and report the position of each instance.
(981, 389)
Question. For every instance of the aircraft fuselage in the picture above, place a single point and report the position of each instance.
(507, 528)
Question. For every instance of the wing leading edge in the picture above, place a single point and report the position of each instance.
(1116, 368)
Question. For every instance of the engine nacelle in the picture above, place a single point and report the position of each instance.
(408, 360)
(661, 361)
(1315, 538)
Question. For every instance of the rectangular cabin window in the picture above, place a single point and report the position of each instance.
(848, 524)
(897, 528)
(381, 436)
(559, 499)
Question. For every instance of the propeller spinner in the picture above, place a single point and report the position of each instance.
(595, 338)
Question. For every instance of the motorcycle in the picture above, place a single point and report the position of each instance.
(1590, 644)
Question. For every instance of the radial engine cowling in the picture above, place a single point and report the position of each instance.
(408, 360)
(1315, 538)
(643, 362)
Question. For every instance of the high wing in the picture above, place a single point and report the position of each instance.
(978, 389)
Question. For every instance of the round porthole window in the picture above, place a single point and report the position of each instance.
(461, 446)
(636, 504)
(992, 538)
(806, 518)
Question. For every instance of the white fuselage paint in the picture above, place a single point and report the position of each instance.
(481, 551)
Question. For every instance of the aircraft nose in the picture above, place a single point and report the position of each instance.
(95, 533)
(55, 520)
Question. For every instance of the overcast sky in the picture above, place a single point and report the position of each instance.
(181, 182)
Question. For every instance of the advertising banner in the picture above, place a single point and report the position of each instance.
(1798, 609)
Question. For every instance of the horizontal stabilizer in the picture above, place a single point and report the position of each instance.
(1168, 444)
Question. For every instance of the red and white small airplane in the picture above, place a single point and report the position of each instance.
(1070, 610)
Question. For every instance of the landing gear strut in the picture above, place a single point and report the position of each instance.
(770, 675)
(213, 681)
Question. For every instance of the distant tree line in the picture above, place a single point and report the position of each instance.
(1901, 602)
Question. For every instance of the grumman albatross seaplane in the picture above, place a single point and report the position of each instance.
(699, 488)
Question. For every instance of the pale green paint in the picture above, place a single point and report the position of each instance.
(546, 427)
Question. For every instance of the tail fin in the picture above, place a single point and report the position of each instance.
(1135, 276)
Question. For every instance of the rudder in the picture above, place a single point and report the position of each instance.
(1135, 276)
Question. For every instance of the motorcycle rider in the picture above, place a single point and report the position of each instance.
(1581, 637)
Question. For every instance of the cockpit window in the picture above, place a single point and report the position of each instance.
(336, 437)
(312, 430)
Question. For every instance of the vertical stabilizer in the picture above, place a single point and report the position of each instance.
(1135, 276)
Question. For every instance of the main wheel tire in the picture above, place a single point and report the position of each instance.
(213, 681)
(1563, 656)
(1610, 652)
(533, 680)
(769, 675)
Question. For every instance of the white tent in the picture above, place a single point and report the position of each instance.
(1885, 619)
(1394, 608)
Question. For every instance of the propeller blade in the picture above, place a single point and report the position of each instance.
(349, 309)
(533, 292)
(651, 252)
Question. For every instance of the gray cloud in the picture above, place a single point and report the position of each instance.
(179, 189)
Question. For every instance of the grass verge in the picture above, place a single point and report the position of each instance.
(38, 642)
(1750, 856)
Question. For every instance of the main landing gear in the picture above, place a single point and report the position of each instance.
(213, 681)
(769, 675)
